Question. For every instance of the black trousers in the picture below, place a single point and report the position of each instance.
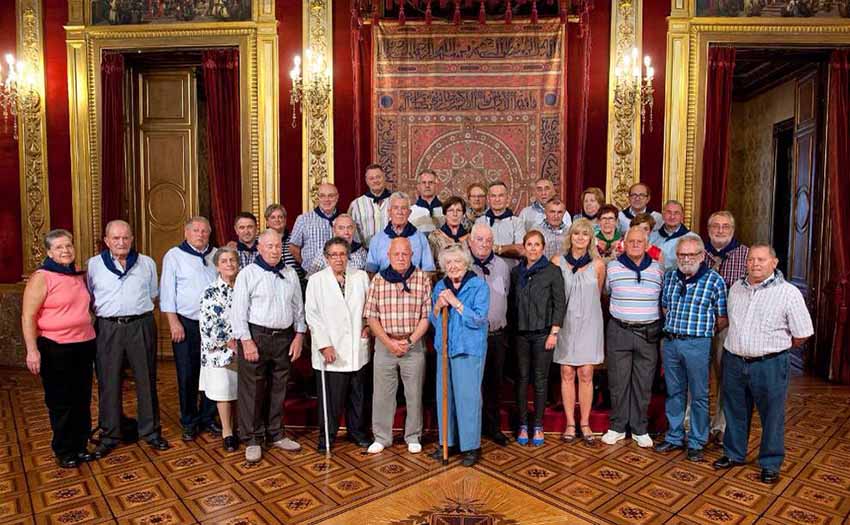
(345, 390)
(135, 340)
(532, 358)
(491, 386)
(66, 373)
(262, 385)
(196, 411)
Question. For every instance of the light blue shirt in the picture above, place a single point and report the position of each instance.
(380, 244)
(132, 294)
(668, 247)
(184, 279)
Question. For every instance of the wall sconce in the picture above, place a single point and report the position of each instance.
(16, 93)
(315, 92)
(633, 89)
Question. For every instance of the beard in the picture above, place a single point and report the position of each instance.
(689, 268)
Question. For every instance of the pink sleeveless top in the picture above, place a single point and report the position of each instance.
(64, 316)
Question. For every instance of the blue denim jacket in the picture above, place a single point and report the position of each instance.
(467, 331)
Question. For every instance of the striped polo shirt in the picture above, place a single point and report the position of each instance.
(633, 301)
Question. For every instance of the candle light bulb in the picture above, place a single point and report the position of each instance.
(10, 59)
(647, 61)
(634, 53)
(650, 72)
(636, 72)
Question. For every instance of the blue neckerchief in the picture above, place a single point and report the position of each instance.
(242, 247)
(435, 203)
(378, 199)
(723, 253)
(684, 280)
(450, 286)
(483, 264)
(186, 247)
(52, 266)
(392, 276)
(627, 211)
(637, 268)
(492, 217)
(579, 263)
(681, 231)
(132, 257)
(591, 218)
(461, 231)
(526, 272)
(538, 206)
(276, 269)
(355, 246)
(408, 230)
(330, 219)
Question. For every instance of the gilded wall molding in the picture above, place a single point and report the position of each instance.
(623, 114)
(32, 133)
(317, 120)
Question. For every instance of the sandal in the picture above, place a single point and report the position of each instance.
(538, 441)
(569, 438)
(588, 436)
(522, 435)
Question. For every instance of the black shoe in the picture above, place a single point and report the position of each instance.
(159, 443)
(499, 438)
(84, 456)
(231, 443)
(470, 457)
(188, 434)
(69, 461)
(769, 476)
(438, 453)
(665, 447)
(724, 462)
(103, 450)
(360, 442)
(695, 455)
(213, 428)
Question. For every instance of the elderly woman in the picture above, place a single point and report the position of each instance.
(537, 305)
(218, 378)
(453, 230)
(276, 220)
(60, 343)
(467, 297)
(592, 200)
(581, 340)
(334, 306)
(608, 236)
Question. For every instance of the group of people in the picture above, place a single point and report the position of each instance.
(368, 289)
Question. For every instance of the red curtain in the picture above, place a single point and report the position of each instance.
(224, 160)
(112, 199)
(361, 66)
(718, 113)
(577, 82)
(838, 165)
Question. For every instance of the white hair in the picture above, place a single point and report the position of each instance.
(454, 251)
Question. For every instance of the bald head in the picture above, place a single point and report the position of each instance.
(270, 246)
(118, 237)
(400, 253)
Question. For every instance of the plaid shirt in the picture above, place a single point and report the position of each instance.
(398, 311)
(733, 267)
(694, 312)
(310, 234)
(246, 257)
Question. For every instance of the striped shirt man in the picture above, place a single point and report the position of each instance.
(633, 299)
(693, 307)
(371, 215)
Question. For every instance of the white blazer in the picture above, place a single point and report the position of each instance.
(337, 321)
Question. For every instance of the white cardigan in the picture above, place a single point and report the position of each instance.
(337, 321)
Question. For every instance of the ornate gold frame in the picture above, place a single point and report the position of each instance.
(688, 40)
(259, 104)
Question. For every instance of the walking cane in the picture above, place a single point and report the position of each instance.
(445, 369)
(325, 411)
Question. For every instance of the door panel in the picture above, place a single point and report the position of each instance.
(805, 149)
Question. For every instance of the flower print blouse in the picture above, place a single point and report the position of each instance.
(215, 324)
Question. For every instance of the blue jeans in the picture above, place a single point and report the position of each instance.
(763, 384)
(686, 363)
(187, 361)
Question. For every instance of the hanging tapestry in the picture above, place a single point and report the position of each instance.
(470, 102)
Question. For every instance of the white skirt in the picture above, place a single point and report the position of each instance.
(218, 384)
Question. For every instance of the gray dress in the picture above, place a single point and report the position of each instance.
(581, 339)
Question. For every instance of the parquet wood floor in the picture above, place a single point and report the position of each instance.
(198, 482)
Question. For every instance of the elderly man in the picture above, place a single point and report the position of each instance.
(693, 302)
(123, 285)
(313, 229)
(427, 212)
(634, 283)
(667, 236)
(534, 215)
(767, 317)
(370, 210)
(344, 228)
(267, 316)
(246, 234)
(187, 270)
(639, 197)
(334, 306)
(725, 255)
(553, 228)
(496, 273)
(476, 199)
(508, 229)
(397, 312)
(399, 226)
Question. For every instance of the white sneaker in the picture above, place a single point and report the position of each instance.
(253, 453)
(643, 440)
(375, 448)
(612, 436)
(287, 444)
(414, 448)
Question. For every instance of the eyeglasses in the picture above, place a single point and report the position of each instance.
(720, 227)
(641, 195)
(688, 255)
(607, 218)
(337, 255)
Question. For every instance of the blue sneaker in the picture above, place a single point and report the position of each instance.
(523, 429)
(537, 442)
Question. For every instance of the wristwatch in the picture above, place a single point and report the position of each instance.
(409, 341)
